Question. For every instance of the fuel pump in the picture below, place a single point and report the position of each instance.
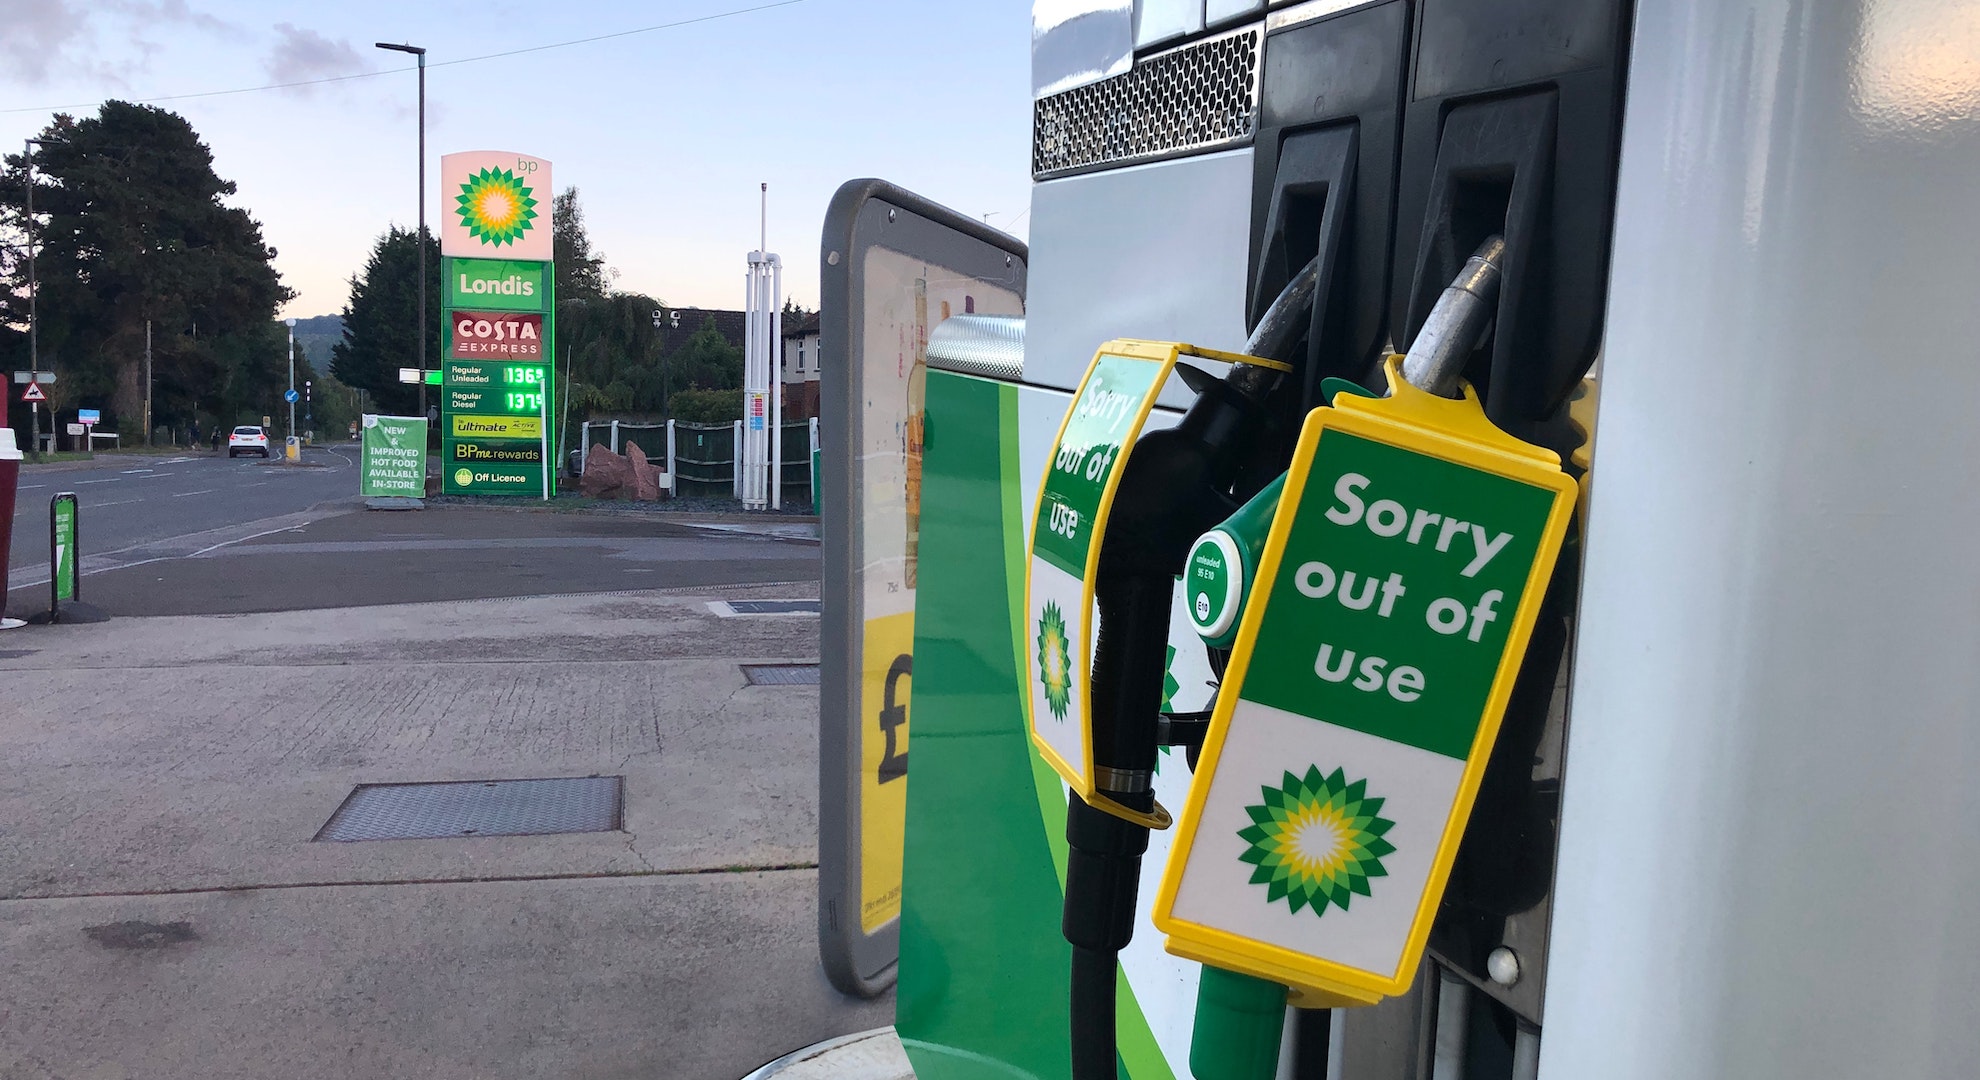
(1145, 499)
(1318, 838)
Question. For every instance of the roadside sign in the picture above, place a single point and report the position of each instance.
(1398, 587)
(33, 393)
(78, 429)
(64, 533)
(34, 376)
(91, 417)
(393, 456)
(290, 396)
(267, 422)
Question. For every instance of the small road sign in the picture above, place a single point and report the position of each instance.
(34, 376)
(92, 417)
(33, 393)
(77, 429)
(290, 396)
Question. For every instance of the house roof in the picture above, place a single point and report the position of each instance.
(808, 326)
(728, 323)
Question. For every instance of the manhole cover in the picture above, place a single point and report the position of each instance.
(477, 808)
(781, 674)
(727, 608)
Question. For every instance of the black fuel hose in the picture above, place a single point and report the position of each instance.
(1175, 486)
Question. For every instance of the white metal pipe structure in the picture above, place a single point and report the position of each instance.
(735, 457)
(1770, 835)
(673, 466)
(776, 383)
(757, 452)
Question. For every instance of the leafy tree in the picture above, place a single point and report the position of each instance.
(379, 338)
(581, 272)
(706, 406)
(132, 229)
(706, 361)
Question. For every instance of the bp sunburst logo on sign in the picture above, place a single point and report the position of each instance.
(1316, 840)
(1055, 661)
(496, 206)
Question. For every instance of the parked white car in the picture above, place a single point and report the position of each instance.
(247, 439)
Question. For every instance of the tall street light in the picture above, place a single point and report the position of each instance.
(419, 330)
(34, 303)
(291, 395)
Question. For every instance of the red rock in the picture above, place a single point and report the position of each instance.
(646, 475)
(606, 475)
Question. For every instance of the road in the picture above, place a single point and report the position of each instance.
(209, 536)
(131, 500)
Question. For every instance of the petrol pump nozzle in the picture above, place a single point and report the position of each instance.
(1176, 484)
(1456, 322)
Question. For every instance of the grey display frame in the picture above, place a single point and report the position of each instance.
(863, 213)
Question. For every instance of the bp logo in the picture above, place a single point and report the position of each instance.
(1055, 660)
(463, 477)
(1316, 840)
(495, 207)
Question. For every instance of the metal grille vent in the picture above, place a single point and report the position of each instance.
(1202, 96)
(477, 808)
(781, 674)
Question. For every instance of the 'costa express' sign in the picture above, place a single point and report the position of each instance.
(480, 335)
(496, 283)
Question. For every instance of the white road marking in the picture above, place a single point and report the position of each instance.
(202, 491)
(229, 543)
(105, 480)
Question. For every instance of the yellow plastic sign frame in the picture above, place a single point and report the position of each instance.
(1453, 430)
(1077, 768)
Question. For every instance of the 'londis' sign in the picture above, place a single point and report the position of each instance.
(1397, 590)
(496, 283)
(1094, 442)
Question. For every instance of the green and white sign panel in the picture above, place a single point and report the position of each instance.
(1398, 587)
(392, 456)
(65, 530)
(1093, 445)
(1062, 620)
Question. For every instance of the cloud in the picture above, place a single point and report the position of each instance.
(302, 54)
(43, 39)
(39, 37)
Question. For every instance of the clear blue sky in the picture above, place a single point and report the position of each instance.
(666, 134)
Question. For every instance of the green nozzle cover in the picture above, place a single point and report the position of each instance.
(1239, 1021)
(1224, 561)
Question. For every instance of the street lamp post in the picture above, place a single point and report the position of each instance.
(34, 298)
(419, 330)
(292, 377)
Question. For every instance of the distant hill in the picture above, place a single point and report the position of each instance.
(316, 335)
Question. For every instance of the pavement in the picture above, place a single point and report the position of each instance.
(166, 913)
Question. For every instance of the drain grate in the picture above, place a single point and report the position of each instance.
(781, 674)
(477, 808)
(726, 608)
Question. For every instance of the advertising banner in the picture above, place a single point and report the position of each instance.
(481, 335)
(497, 283)
(495, 204)
(393, 456)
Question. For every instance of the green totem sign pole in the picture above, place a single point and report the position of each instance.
(498, 331)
